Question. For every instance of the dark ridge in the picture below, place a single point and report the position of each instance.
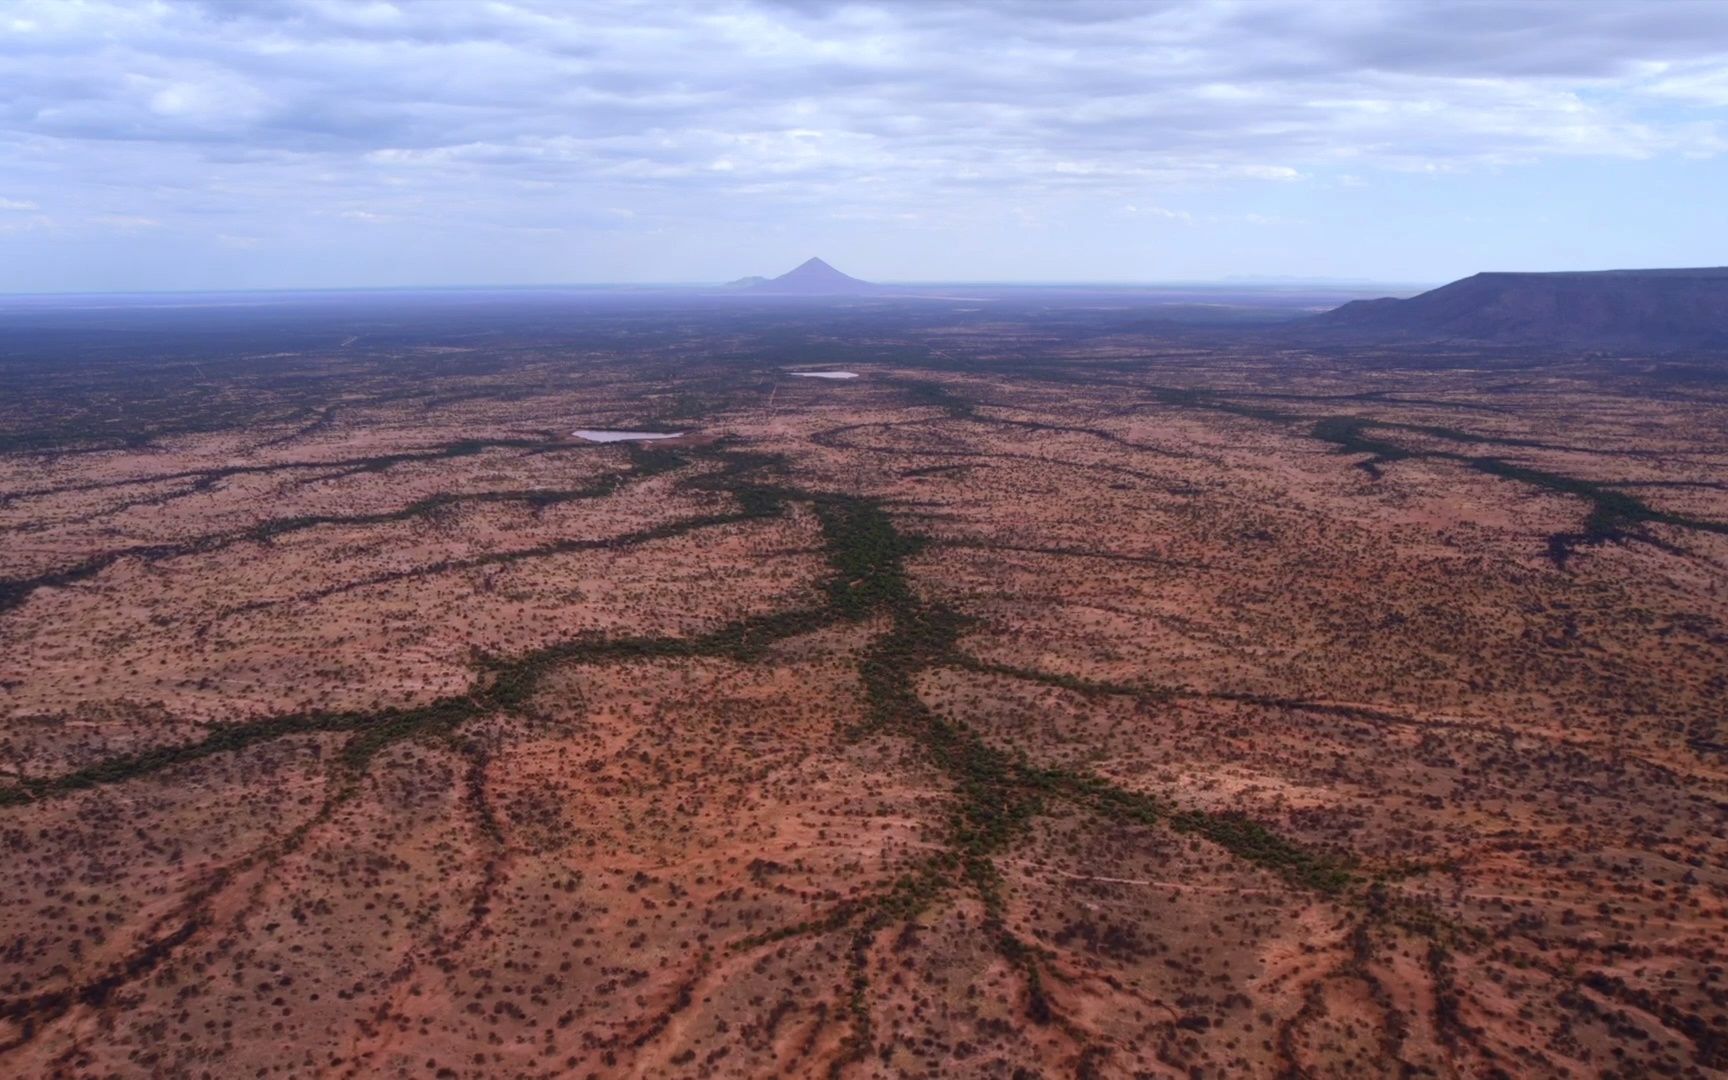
(1636, 309)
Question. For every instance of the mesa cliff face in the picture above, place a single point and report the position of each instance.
(1646, 308)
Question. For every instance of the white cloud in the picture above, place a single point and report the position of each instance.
(31, 223)
(125, 222)
(936, 92)
(1698, 85)
(1161, 212)
(216, 118)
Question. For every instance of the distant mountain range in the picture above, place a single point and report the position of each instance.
(812, 277)
(1636, 308)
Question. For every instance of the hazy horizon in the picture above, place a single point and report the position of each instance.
(190, 146)
(1270, 283)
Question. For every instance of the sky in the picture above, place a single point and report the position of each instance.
(162, 144)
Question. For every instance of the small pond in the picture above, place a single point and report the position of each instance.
(593, 435)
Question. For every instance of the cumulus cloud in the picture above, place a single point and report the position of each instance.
(526, 113)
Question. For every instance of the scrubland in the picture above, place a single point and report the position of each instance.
(1050, 700)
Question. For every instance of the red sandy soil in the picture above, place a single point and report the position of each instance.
(710, 861)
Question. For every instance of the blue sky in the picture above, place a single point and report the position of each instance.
(317, 143)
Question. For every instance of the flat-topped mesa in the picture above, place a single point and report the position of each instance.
(813, 277)
(1663, 309)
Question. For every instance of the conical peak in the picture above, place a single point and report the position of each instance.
(814, 276)
(814, 265)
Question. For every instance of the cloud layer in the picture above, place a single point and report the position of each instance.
(254, 126)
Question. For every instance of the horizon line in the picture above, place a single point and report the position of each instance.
(726, 288)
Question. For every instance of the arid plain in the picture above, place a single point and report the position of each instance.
(1060, 697)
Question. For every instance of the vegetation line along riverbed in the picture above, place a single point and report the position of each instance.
(994, 794)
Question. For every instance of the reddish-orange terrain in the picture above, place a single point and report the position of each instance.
(1050, 700)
